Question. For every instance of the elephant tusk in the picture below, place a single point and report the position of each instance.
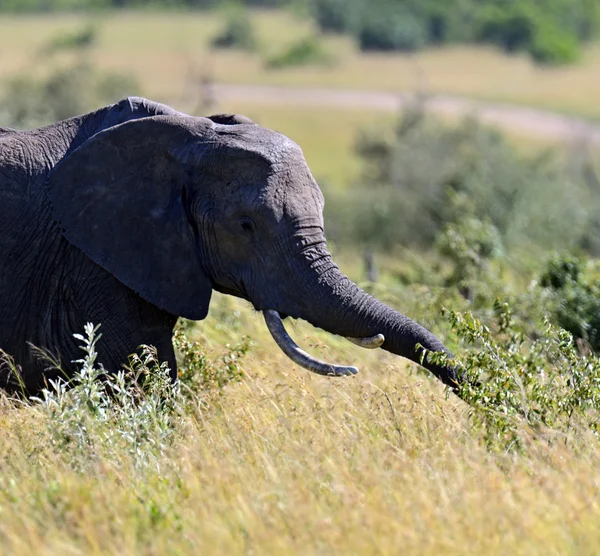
(296, 354)
(373, 342)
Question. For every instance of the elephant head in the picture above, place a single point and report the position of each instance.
(175, 206)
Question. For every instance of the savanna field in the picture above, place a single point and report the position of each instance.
(488, 240)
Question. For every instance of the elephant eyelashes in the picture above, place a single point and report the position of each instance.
(247, 224)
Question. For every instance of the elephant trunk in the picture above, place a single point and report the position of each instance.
(340, 307)
(356, 314)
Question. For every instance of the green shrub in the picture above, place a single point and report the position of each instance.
(96, 414)
(551, 33)
(307, 51)
(512, 27)
(201, 376)
(51, 5)
(413, 168)
(553, 46)
(470, 244)
(237, 33)
(339, 16)
(391, 30)
(519, 388)
(80, 39)
(576, 298)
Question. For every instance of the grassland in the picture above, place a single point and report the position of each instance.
(163, 48)
(285, 462)
(169, 54)
(289, 463)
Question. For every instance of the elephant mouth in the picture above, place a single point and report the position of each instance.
(274, 322)
(303, 359)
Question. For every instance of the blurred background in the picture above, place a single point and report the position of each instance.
(455, 140)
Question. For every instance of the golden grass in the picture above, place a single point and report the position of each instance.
(290, 463)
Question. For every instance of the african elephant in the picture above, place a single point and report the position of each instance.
(131, 215)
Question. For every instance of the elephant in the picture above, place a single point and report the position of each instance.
(131, 215)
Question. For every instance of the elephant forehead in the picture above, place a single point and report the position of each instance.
(290, 187)
(296, 192)
(274, 147)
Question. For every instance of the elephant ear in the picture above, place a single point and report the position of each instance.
(123, 200)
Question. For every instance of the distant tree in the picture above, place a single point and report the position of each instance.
(551, 31)
(237, 33)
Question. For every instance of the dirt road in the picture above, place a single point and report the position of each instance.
(525, 121)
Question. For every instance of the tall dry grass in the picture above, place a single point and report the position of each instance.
(285, 462)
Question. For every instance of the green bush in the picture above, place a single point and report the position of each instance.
(553, 46)
(519, 387)
(51, 5)
(413, 168)
(237, 33)
(307, 51)
(512, 27)
(339, 16)
(80, 39)
(576, 298)
(551, 31)
(198, 374)
(391, 29)
(96, 414)
(470, 244)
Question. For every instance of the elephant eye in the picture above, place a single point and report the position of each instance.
(247, 224)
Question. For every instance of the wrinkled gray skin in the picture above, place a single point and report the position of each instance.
(130, 216)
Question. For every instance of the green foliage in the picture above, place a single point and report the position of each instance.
(547, 36)
(576, 298)
(80, 5)
(237, 33)
(77, 40)
(519, 386)
(307, 51)
(470, 244)
(551, 31)
(96, 414)
(29, 102)
(200, 375)
(415, 168)
(392, 29)
(510, 26)
(25, 6)
(339, 16)
(554, 46)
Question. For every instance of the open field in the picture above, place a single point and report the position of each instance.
(289, 463)
(163, 48)
(168, 53)
(284, 461)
